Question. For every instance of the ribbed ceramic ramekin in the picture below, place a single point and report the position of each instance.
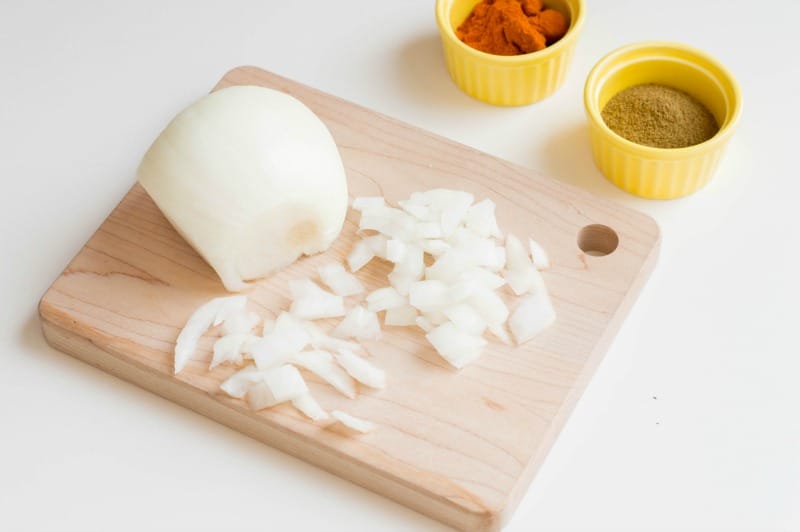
(507, 80)
(660, 173)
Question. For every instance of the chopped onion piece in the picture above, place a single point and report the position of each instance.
(499, 330)
(466, 318)
(249, 343)
(395, 250)
(237, 384)
(404, 316)
(436, 317)
(269, 325)
(377, 243)
(481, 277)
(451, 204)
(352, 422)
(525, 280)
(361, 369)
(441, 198)
(266, 388)
(230, 348)
(384, 299)
(539, 256)
(390, 222)
(287, 338)
(285, 383)
(240, 323)
(454, 345)
(521, 275)
(212, 313)
(360, 255)
(435, 247)
(427, 230)
(321, 363)
(449, 265)
(419, 211)
(534, 314)
(413, 262)
(401, 281)
(340, 280)
(481, 219)
(310, 302)
(425, 324)
(490, 306)
(367, 203)
(310, 407)
(359, 323)
(259, 396)
(498, 261)
(320, 340)
(429, 295)
(516, 256)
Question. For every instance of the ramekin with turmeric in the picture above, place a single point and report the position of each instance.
(509, 80)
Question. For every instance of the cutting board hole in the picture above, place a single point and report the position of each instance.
(598, 240)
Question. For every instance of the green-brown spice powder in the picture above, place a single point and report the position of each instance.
(659, 116)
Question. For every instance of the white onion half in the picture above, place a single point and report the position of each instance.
(251, 178)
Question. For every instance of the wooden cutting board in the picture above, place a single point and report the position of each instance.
(459, 446)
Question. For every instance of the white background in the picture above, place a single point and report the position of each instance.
(692, 421)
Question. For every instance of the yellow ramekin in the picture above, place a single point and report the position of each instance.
(507, 80)
(660, 173)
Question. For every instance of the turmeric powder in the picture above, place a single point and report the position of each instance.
(512, 27)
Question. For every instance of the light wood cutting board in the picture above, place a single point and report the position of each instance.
(459, 446)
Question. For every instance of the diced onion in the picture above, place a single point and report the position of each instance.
(310, 407)
(481, 219)
(230, 348)
(339, 280)
(361, 369)
(321, 364)
(360, 255)
(288, 337)
(352, 422)
(367, 203)
(212, 313)
(359, 323)
(240, 323)
(459, 348)
(237, 384)
(404, 316)
(466, 318)
(310, 302)
(429, 295)
(533, 314)
(539, 256)
(384, 299)
(285, 383)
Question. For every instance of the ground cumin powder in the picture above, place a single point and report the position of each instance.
(659, 116)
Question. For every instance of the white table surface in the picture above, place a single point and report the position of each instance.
(692, 421)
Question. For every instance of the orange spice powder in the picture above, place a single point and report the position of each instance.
(512, 27)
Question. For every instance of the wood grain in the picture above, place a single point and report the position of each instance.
(461, 447)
